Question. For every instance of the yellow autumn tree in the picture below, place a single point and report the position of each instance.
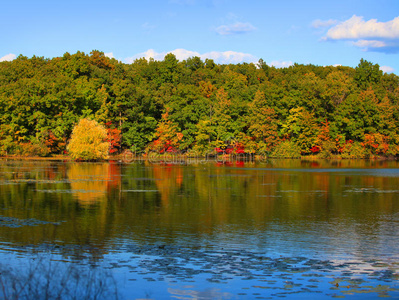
(88, 141)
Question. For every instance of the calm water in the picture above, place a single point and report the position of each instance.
(267, 230)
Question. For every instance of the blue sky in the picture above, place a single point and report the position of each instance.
(229, 31)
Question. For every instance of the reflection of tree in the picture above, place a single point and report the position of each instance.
(89, 181)
(57, 192)
(191, 201)
(169, 180)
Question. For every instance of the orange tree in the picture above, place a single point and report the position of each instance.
(167, 136)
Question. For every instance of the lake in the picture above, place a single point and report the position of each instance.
(199, 229)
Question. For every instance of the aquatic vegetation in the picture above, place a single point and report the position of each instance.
(45, 278)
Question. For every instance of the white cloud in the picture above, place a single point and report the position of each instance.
(8, 57)
(109, 54)
(229, 57)
(370, 43)
(356, 28)
(387, 69)
(281, 64)
(150, 53)
(225, 57)
(182, 54)
(320, 23)
(368, 35)
(236, 28)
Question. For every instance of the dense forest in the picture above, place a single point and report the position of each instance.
(195, 105)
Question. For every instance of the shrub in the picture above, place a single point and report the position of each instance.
(7, 145)
(88, 141)
(53, 143)
(355, 150)
(34, 148)
(286, 149)
(327, 149)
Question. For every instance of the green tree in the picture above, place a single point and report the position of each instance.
(262, 123)
(42, 99)
(367, 74)
(301, 128)
(358, 115)
(221, 118)
(335, 89)
(204, 135)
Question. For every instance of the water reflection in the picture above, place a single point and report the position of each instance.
(211, 293)
(90, 182)
(107, 201)
(341, 211)
(46, 278)
(169, 179)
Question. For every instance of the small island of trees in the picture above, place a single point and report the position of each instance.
(302, 110)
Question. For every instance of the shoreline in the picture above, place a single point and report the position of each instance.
(181, 157)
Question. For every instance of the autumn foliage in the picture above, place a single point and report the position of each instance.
(376, 143)
(89, 141)
(167, 136)
(113, 137)
(54, 144)
(172, 105)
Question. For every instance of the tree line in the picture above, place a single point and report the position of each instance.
(196, 105)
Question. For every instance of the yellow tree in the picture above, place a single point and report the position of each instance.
(88, 141)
